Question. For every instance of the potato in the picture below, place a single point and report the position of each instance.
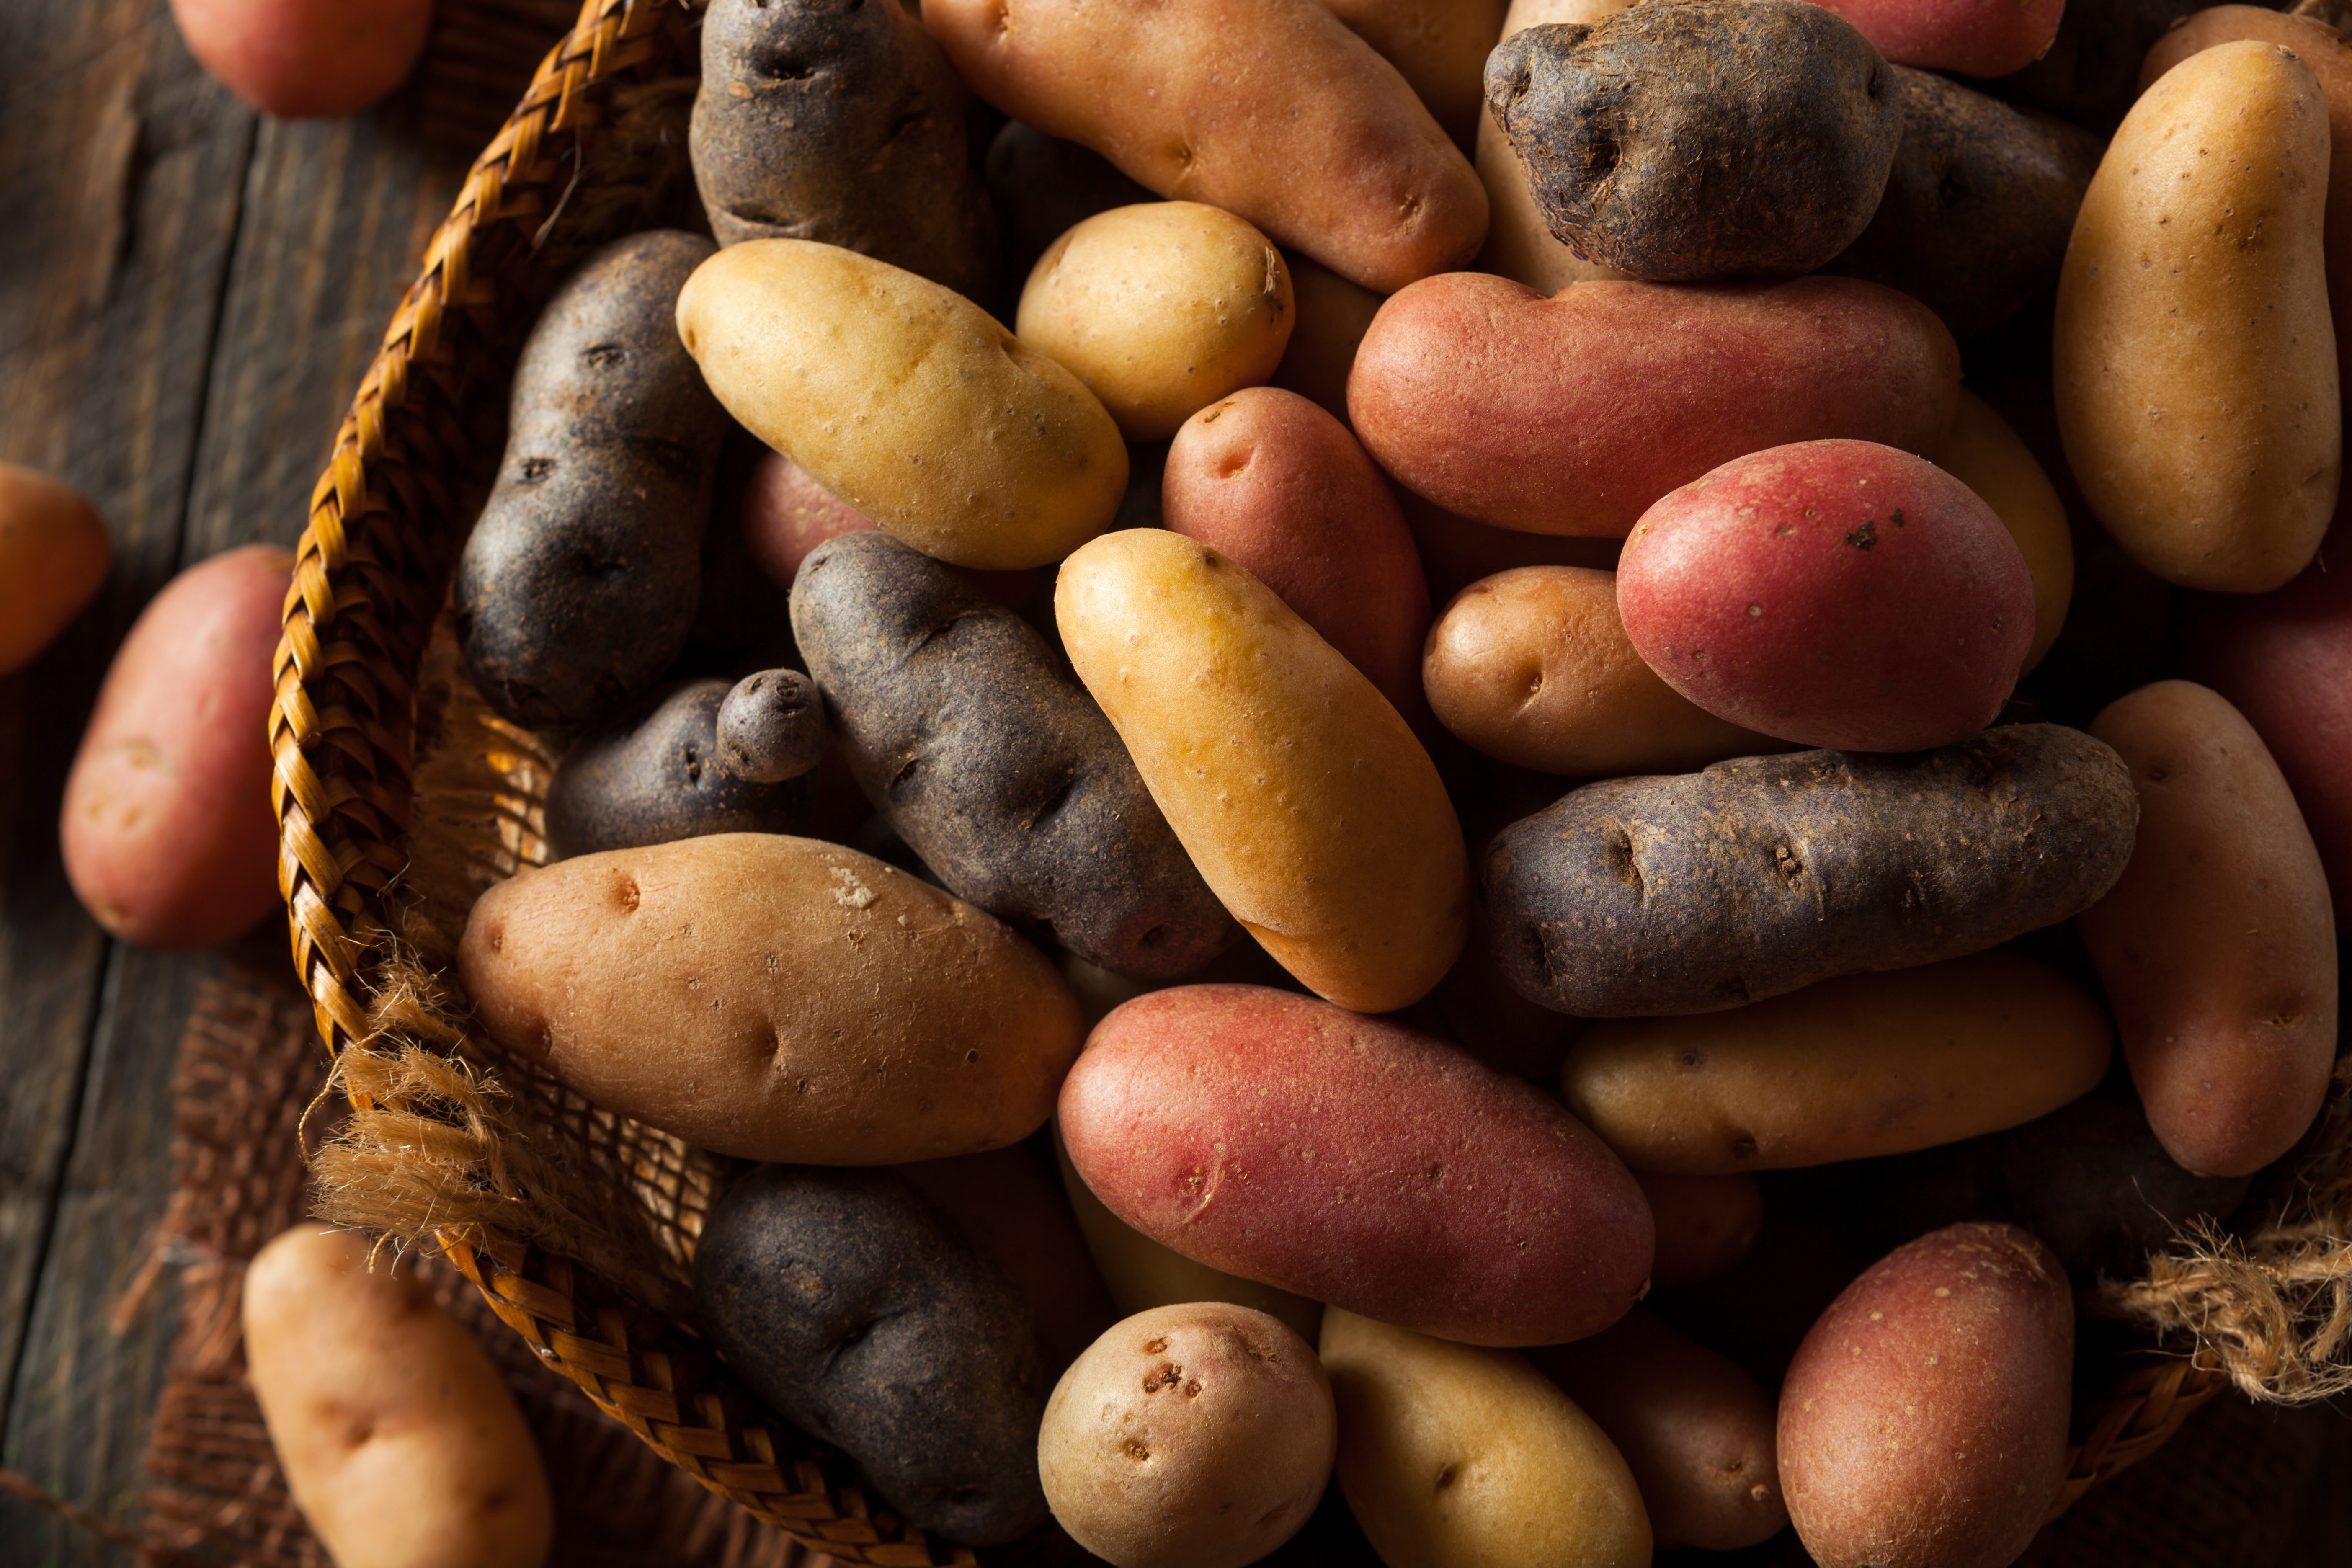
(1044, 187)
(1439, 47)
(772, 998)
(1864, 1065)
(167, 831)
(577, 588)
(2090, 75)
(770, 727)
(1572, 415)
(1700, 139)
(1357, 1161)
(655, 772)
(905, 401)
(1978, 206)
(1519, 245)
(1333, 315)
(995, 768)
(1833, 594)
(2218, 947)
(1760, 875)
(1269, 109)
(1307, 805)
(398, 1438)
(1706, 1224)
(1453, 1456)
(1280, 489)
(842, 124)
(1956, 35)
(1533, 666)
(1923, 1423)
(300, 59)
(2195, 365)
(786, 514)
(873, 1324)
(1456, 552)
(1188, 1436)
(1694, 1429)
(1160, 309)
(2095, 1184)
(1984, 454)
(1761, 1310)
(53, 555)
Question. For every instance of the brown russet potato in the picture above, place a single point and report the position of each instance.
(2218, 947)
(398, 1438)
(1333, 316)
(1706, 1224)
(53, 555)
(1439, 47)
(1983, 453)
(773, 998)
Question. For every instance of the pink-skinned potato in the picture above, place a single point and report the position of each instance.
(787, 514)
(167, 829)
(53, 556)
(1837, 593)
(1354, 1160)
(303, 59)
(1572, 413)
(1973, 38)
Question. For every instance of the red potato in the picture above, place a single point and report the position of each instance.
(302, 59)
(167, 829)
(1277, 486)
(1706, 1224)
(787, 514)
(53, 556)
(1571, 414)
(1922, 1422)
(1355, 1162)
(2218, 946)
(1833, 593)
(1974, 37)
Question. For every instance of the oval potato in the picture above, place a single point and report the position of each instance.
(53, 555)
(1983, 453)
(1439, 47)
(300, 59)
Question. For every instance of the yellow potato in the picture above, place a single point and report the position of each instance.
(907, 401)
(1307, 805)
(1333, 317)
(1867, 1064)
(774, 998)
(1533, 666)
(2195, 364)
(1439, 47)
(1455, 1456)
(53, 556)
(1160, 309)
(398, 1437)
(1518, 245)
(1984, 454)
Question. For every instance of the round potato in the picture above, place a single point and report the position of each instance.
(1706, 1224)
(1983, 453)
(1160, 310)
(399, 1440)
(1198, 1435)
(298, 59)
(53, 556)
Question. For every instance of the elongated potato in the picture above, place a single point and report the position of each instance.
(1439, 47)
(1983, 453)
(1961, 35)
(1301, 795)
(1871, 1064)
(2218, 947)
(1269, 109)
(1453, 1456)
(2195, 362)
(53, 556)
(773, 998)
(907, 402)
(400, 1442)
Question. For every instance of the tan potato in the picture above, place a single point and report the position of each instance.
(2218, 947)
(1457, 1457)
(2194, 360)
(1984, 454)
(907, 402)
(1533, 666)
(1196, 1435)
(1269, 109)
(1519, 245)
(53, 556)
(773, 998)
(399, 1440)
(1439, 47)
(1333, 315)
(1870, 1064)
(1307, 805)
(1160, 309)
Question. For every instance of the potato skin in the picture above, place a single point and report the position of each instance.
(1357, 1161)
(1269, 109)
(653, 774)
(905, 401)
(399, 1440)
(53, 555)
(1855, 1067)
(1519, 245)
(1961, 36)
(1639, 897)
(166, 827)
(1833, 594)
(1198, 1435)
(300, 59)
(1305, 800)
(2194, 362)
(1532, 666)
(1923, 1422)
(1439, 47)
(1452, 1456)
(1572, 415)
(1333, 315)
(2218, 946)
(864, 1315)
(1706, 1224)
(844, 123)
(808, 1001)
(1627, 128)
(1983, 453)
(1160, 309)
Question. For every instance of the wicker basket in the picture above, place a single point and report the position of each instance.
(401, 797)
